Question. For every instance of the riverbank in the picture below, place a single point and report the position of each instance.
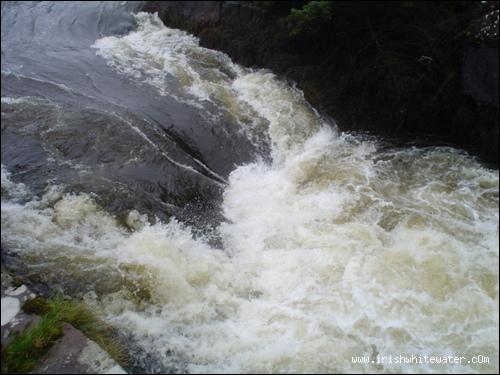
(51, 336)
(423, 73)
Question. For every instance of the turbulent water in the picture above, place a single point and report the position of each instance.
(215, 218)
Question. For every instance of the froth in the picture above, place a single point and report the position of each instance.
(262, 105)
(333, 249)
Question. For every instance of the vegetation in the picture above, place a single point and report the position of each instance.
(402, 68)
(309, 17)
(37, 306)
(23, 353)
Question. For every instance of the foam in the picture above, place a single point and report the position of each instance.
(333, 249)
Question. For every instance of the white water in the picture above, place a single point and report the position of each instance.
(333, 250)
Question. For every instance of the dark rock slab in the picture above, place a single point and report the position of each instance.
(397, 69)
(480, 73)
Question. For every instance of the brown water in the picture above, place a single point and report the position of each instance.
(216, 219)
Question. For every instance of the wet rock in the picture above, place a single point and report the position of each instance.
(74, 353)
(371, 68)
(14, 321)
(480, 73)
(10, 308)
(16, 326)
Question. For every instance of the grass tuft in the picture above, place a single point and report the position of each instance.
(22, 354)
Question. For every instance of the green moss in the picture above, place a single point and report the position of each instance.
(36, 306)
(310, 16)
(25, 350)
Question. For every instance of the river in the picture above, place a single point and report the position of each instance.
(215, 218)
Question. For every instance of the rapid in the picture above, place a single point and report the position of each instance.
(221, 223)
